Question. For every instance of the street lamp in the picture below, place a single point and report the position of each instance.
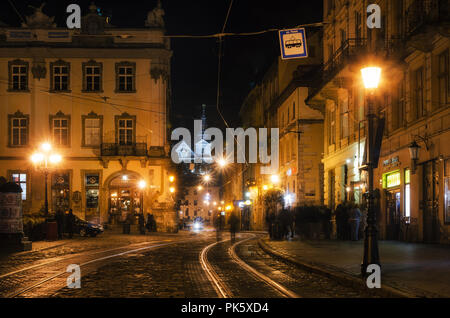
(42, 161)
(371, 78)
(222, 163)
(274, 178)
(142, 184)
(207, 178)
(414, 153)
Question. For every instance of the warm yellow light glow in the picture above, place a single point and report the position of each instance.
(114, 194)
(265, 187)
(171, 178)
(248, 202)
(222, 162)
(215, 203)
(37, 158)
(200, 188)
(207, 178)
(228, 207)
(142, 184)
(55, 158)
(46, 147)
(274, 178)
(371, 76)
(124, 177)
(222, 202)
(172, 189)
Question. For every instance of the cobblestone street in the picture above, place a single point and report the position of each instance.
(163, 266)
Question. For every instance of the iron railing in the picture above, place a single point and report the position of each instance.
(422, 12)
(116, 149)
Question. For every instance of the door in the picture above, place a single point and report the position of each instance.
(430, 204)
(393, 217)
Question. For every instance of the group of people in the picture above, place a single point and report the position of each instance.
(281, 226)
(65, 222)
(348, 222)
(149, 224)
(233, 223)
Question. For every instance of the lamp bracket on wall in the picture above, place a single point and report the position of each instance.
(425, 140)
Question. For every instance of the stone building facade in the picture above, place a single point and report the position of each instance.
(100, 97)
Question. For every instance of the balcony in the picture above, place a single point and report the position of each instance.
(138, 149)
(350, 48)
(426, 12)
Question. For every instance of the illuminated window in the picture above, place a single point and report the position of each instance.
(92, 125)
(447, 192)
(21, 180)
(407, 197)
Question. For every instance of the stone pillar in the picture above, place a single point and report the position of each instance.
(11, 219)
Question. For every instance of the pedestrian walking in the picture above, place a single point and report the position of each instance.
(141, 222)
(218, 227)
(354, 220)
(233, 221)
(285, 222)
(148, 224)
(70, 223)
(59, 216)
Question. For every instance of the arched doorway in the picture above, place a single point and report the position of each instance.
(125, 198)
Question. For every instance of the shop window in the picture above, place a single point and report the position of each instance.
(60, 191)
(92, 190)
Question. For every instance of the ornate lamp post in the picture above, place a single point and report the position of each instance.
(371, 78)
(43, 161)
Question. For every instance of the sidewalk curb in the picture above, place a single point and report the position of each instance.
(345, 279)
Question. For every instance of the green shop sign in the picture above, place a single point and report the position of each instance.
(391, 179)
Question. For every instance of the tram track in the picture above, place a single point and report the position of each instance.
(221, 287)
(57, 268)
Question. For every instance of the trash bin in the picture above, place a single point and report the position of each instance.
(51, 231)
(126, 228)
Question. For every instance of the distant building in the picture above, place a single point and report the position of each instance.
(278, 101)
(201, 201)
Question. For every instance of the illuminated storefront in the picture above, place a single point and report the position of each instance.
(393, 217)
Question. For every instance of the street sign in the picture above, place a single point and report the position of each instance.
(293, 43)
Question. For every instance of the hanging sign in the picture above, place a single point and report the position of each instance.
(293, 43)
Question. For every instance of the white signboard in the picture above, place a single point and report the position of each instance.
(293, 43)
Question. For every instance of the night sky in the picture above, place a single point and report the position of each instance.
(194, 64)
